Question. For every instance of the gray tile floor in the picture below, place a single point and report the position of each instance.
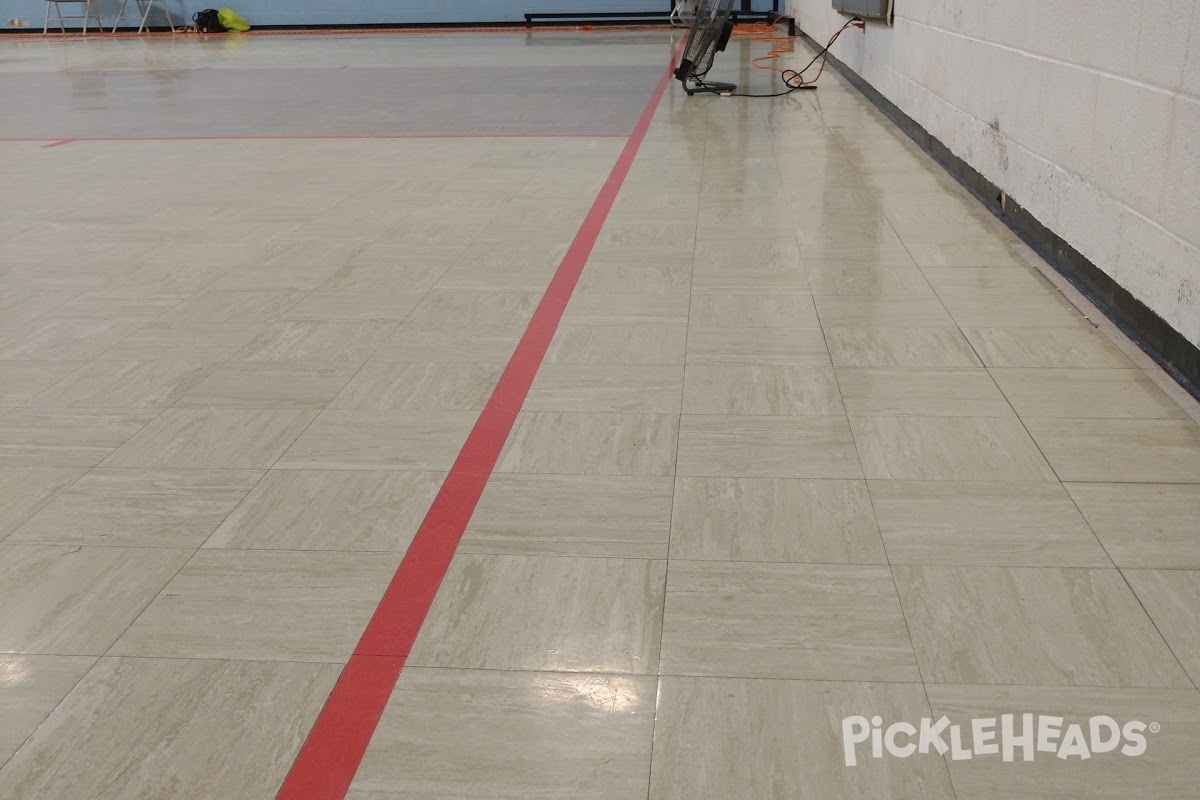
(817, 437)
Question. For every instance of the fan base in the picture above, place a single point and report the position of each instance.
(709, 88)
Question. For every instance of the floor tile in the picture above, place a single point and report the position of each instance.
(329, 510)
(306, 251)
(317, 341)
(545, 613)
(1172, 599)
(231, 308)
(983, 524)
(511, 736)
(1068, 347)
(773, 310)
(66, 600)
(626, 276)
(757, 346)
(882, 312)
(396, 385)
(108, 383)
(642, 239)
(142, 728)
(613, 344)
(370, 306)
(1163, 770)
(497, 278)
(767, 447)
(931, 392)
(1120, 450)
(765, 519)
(987, 280)
(854, 254)
(990, 625)
(644, 389)
(249, 384)
(839, 279)
(627, 309)
(19, 306)
(174, 343)
(899, 347)
(55, 339)
(262, 605)
(767, 390)
(1143, 524)
(780, 740)
(139, 508)
(30, 688)
(425, 440)
(216, 438)
(529, 253)
(303, 277)
(750, 276)
(443, 307)
(66, 437)
(416, 275)
(25, 490)
(1014, 310)
(572, 515)
(975, 254)
(591, 444)
(1115, 393)
(784, 621)
(433, 343)
(948, 449)
(21, 380)
(123, 306)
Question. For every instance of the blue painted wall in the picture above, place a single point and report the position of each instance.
(352, 12)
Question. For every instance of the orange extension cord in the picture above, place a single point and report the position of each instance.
(764, 32)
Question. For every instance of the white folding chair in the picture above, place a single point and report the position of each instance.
(90, 12)
(144, 7)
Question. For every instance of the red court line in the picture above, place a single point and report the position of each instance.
(326, 764)
(316, 136)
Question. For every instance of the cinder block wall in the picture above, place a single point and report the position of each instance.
(1086, 112)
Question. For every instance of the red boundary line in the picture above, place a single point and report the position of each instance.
(329, 758)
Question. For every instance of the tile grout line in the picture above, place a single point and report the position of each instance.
(674, 491)
(875, 513)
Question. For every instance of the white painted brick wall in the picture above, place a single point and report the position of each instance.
(1098, 108)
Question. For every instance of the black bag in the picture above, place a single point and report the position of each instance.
(208, 21)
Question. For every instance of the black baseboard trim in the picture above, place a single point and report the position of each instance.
(1167, 346)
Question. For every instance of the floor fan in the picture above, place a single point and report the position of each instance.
(710, 32)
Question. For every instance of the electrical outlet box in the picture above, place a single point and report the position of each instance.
(874, 9)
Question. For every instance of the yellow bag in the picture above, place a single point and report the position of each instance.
(232, 22)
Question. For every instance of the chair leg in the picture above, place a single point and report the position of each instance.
(62, 23)
(46, 23)
(166, 9)
(120, 16)
(145, 14)
(87, 15)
